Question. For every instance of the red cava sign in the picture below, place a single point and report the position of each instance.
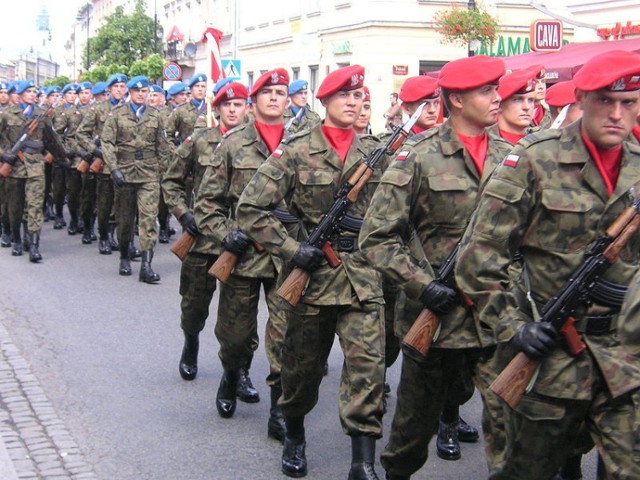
(546, 35)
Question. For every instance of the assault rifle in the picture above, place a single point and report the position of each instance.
(295, 284)
(426, 327)
(29, 130)
(182, 246)
(515, 379)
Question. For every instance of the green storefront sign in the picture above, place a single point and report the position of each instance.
(507, 46)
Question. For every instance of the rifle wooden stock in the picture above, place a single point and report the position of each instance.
(512, 382)
(182, 245)
(223, 266)
(83, 166)
(420, 336)
(49, 158)
(96, 165)
(5, 170)
(293, 286)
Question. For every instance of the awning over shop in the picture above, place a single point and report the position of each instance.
(563, 65)
(175, 35)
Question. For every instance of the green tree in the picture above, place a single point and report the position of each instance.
(60, 81)
(124, 39)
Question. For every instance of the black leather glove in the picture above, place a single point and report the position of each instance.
(70, 154)
(86, 156)
(10, 158)
(97, 152)
(535, 339)
(307, 257)
(118, 178)
(188, 222)
(236, 242)
(438, 297)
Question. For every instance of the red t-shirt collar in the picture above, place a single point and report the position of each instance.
(607, 162)
(477, 147)
(340, 139)
(271, 134)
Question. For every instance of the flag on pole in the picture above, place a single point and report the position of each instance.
(211, 37)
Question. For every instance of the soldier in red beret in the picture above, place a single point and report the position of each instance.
(363, 123)
(561, 98)
(517, 91)
(416, 91)
(234, 163)
(550, 200)
(431, 189)
(308, 169)
(541, 114)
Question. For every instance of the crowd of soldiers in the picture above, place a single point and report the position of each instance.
(505, 179)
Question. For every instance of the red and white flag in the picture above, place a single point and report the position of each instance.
(211, 37)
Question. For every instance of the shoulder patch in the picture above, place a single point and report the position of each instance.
(277, 153)
(541, 136)
(402, 155)
(511, 160)
(188, 139)
(293, 136)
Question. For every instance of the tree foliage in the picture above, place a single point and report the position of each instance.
(60, 81)
(125, 39)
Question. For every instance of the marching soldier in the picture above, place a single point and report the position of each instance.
(307, 169)
(99, 92)
(516, 108)
(196, 285)
(88, 135)
(25, 184)
(431, 190)
(235, 161)
(299, 115)
(363, 123)
(553, 195)
(561, 98)
(183, 120)
(135, 147)
(5, 227)
(414, 92)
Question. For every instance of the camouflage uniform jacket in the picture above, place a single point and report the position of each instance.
(234, 163)
(306, 173)
(309, 119)
(191, 158)
(548, 200)
(91, 126)
(12, 125)
(65, 123)
(182, 121)
(431, 188)
(138, 148)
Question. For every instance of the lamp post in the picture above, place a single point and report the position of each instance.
(471, 52)
(87, 11)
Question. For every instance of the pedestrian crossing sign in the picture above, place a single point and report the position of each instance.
(232, 68)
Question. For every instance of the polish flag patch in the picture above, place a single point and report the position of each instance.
(511, 161)
(277, 153)
(403, 155)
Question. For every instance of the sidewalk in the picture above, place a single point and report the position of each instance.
(34, 442)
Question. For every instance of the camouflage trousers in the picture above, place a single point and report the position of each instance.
(4, 206)
(104, 203)
(542, 432)
(391, 343)
(423, 391)
(140, 198)
(237, 323)
(88, 196)
(25, 195)
(196, 289)
(307, 344)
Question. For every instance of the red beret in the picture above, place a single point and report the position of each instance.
(279, 76)
(561, 94)
(230, 91)
(417, 88)
(471, 72)
(522, 81)
(345, 78)
(537, 70)
(615, 70)
(367, 94)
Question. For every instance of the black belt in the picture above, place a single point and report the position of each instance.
(345, 244)
(595, 324)
(136, 155)
(31, 151)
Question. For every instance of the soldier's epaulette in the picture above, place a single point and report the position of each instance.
(421, 137)
(540, 136)
(633, 145)
(235, 130)
(120, 107)
(289, 138)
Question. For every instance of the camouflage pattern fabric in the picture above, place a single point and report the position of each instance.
(90, 127)
(196, 288)
(308, 120)
(25, 200)
(305, 173)
(141, 199)
(182, 121)
(548, 200)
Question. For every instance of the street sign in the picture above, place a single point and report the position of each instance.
(232, 68)
(172, 71)
(546, 35)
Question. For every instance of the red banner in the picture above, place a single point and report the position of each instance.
(211, 37)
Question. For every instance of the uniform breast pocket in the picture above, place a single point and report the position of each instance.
(451, 199)
(315, 190)
(243, 172)
(564, 218)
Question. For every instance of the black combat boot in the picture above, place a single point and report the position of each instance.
(163, 236)
(276, 427)
(34, 250)
(72, 229)
(113, 243)
(48, 209)
(391, 476)
(16, 251)
(447, 445)
(26, 237)
(133, 251)
(5, 239)
(86, 234)
(189, 360)
(59, 222)
(226, 396)
(294, 458)
(125, 262)
(467, 433)
(363, 457)
(246, 392)
(147, 275)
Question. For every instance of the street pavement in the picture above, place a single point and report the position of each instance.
(89, 387)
